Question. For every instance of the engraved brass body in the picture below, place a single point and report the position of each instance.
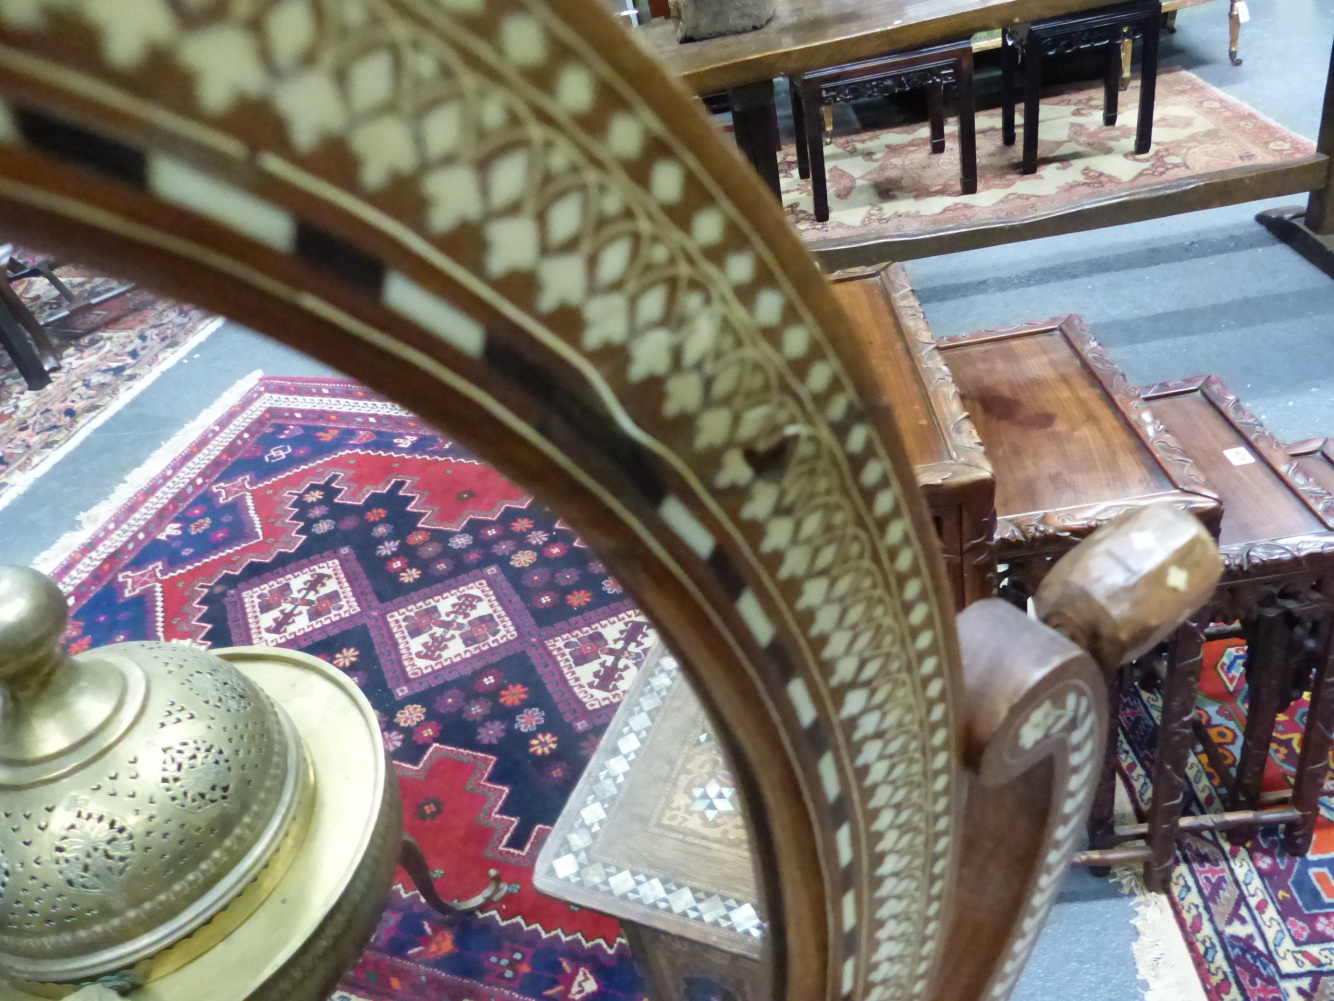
(144, 787)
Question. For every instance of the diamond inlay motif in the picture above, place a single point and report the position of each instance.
(713, 799)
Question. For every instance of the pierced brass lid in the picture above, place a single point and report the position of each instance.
(143, 787)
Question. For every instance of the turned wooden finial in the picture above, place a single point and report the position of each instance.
(1127, 586)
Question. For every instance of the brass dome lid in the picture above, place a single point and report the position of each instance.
(143, 787)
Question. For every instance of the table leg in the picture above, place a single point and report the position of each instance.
(810, 100)
(967, 126)
(1233, 32)
(1266, 681)
(1111, 85)
(799, 123)
(1176, 740)
(45, 349)
(1317, 739)
(1311, 232)
(753, 126)
(14, 340)
(1148, 85)
(935, 113)
(1032, 104)
(1102, 820)
(1009, 59)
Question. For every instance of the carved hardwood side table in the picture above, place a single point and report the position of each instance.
(947, 456)
(1277, 540)
(930, 69)
(1073, 446)
(1108, 28)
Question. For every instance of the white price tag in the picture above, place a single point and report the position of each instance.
(1243, 12)
(1239, 456)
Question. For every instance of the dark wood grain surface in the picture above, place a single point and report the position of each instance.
(1278, 507)
(1257, 503)
(1071, 443)
(1056, 437)
(916, 387)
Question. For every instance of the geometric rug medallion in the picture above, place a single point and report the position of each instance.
(492, 643)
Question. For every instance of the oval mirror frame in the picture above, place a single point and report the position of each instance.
(503, 215)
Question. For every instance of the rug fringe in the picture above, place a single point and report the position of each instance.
(26, 479)
(1160, 952)
(95, 516)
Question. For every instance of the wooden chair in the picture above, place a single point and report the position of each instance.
(930, 69)
(627, 326)
(1107, 28)
(26, 339)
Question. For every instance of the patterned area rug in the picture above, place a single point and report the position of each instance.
(108, 354)
(1259, 924)
(492, 643)
(888, 183)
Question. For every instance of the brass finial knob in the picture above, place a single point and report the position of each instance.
(54, 710)
(33, 615)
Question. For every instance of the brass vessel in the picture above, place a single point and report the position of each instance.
(143, 788)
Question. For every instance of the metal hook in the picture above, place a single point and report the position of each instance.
(413, 860)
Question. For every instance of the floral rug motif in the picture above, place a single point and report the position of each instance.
(107, 353)
(1259, 924)
(888, 183)
(492, 643)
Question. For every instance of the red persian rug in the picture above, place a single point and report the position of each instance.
(888, 183)
(1258, 923)
(491, 641)
(108, 353)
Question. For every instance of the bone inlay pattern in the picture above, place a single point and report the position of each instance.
(1067, 714)
(571, 863)
(496, 152)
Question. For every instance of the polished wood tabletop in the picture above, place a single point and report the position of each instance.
(810, 34)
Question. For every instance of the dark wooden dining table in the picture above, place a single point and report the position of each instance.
(806, 35)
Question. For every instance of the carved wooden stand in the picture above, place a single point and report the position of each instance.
(918, 390)
(1073, 446)
(1277, 540)
(931, 68)
(1107, 28)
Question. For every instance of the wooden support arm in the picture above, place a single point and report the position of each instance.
(1036, 737)
(1036, 710)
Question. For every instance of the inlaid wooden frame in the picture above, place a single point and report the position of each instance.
(501, 214)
